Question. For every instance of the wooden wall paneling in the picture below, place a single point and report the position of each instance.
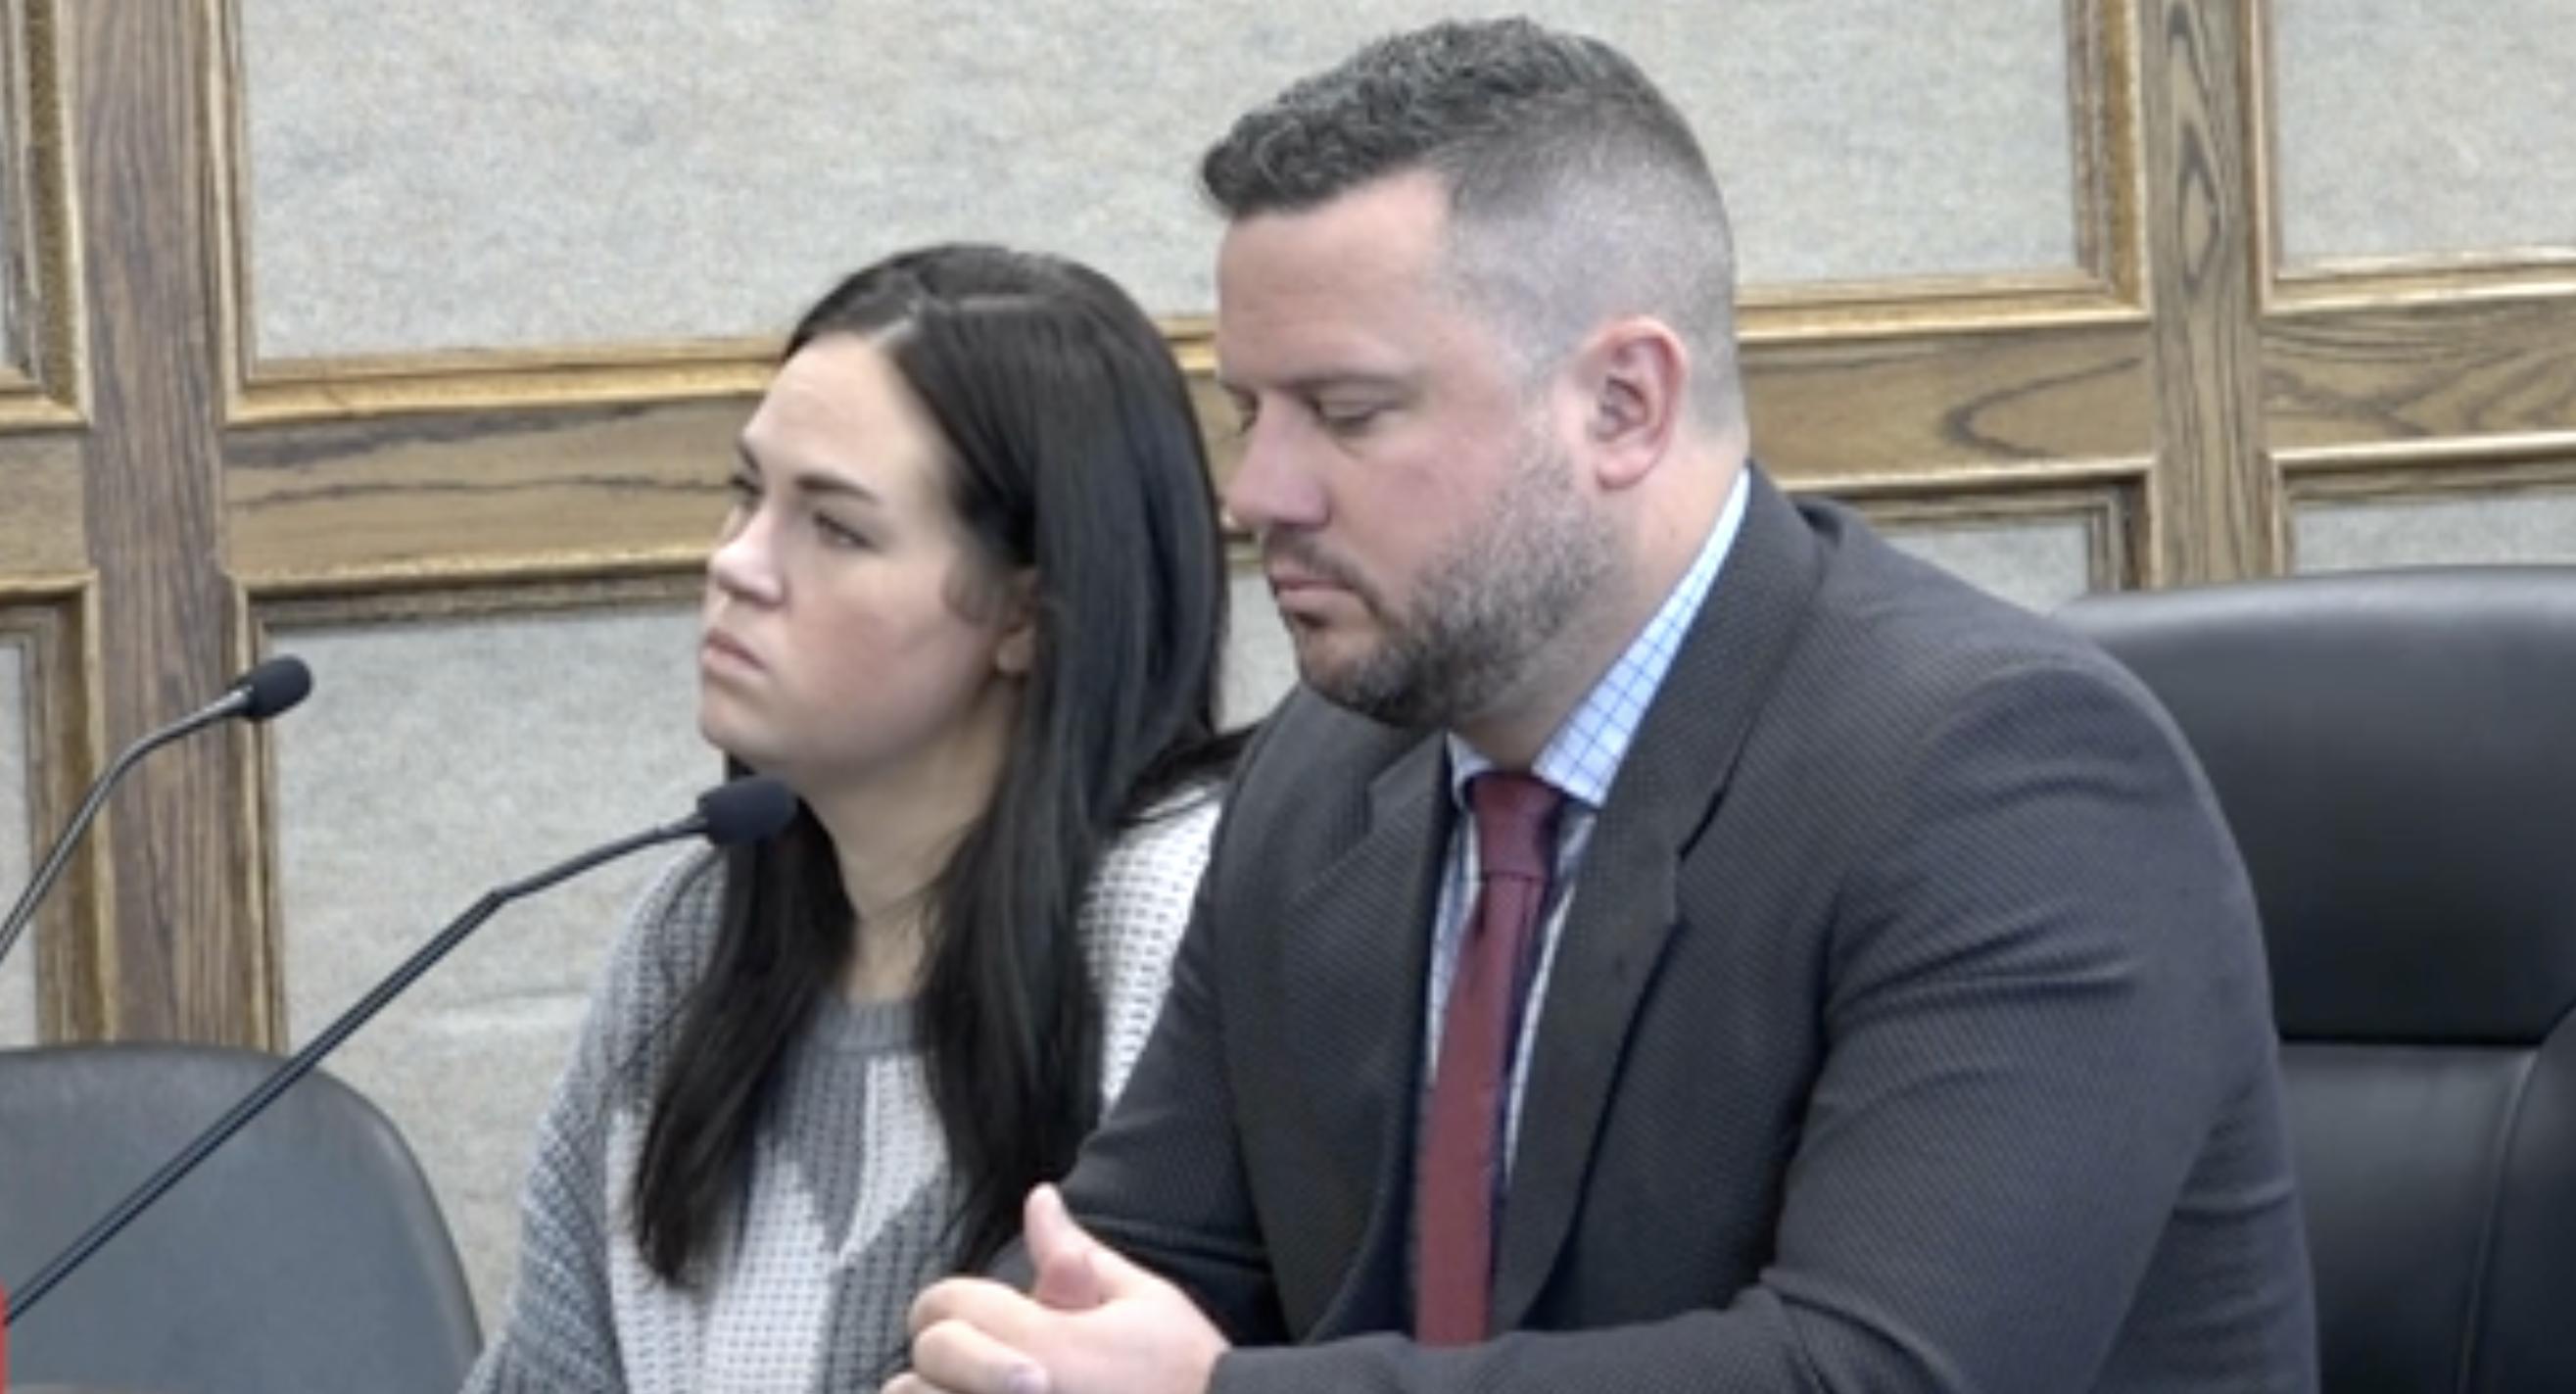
(41, 505)
(40, 375)
(2215, 496)
(2389, 373)
(1844, 406)
(53, 622)
(185, 860)
(593, 489)
(2411, 377)
(2416, 470)
(2470, 272)
(2107, 496)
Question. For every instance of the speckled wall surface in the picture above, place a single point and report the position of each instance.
(487, 173)
(12, 351)
(2405, 127)
(2539, 526)
(2037, 565)
(17, 855)
(434, 761)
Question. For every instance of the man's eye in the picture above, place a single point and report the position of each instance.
(1348, 420)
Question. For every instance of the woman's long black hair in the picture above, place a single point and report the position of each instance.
(1074, 455)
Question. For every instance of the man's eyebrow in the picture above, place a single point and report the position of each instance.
(1319, 384)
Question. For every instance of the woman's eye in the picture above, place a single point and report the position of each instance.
(744, 489)
(838, 534)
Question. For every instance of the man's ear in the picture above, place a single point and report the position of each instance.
(1635, 375)
(1018, 651)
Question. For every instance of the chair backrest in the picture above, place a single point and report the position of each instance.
(2396, 755)
(308, 1253)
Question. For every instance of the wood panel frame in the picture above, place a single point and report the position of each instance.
(2402, 376)
(42, 385)
(52, 622)
(2472, 467)
(2353, 281)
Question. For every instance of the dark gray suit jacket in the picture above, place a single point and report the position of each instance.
(1909, 1031)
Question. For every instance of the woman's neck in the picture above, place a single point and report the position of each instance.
(893, 835)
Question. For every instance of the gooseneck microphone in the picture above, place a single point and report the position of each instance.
(745, 810)
(265, 691)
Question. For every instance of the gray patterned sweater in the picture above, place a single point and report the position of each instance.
(849, 1182)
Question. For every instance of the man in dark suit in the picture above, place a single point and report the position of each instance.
(1675, 941)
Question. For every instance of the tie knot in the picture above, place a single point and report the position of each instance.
(1515, 823)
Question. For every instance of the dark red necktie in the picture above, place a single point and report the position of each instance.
(1462, 1143)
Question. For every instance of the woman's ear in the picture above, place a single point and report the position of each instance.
(1017, 652)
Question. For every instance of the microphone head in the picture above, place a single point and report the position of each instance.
(273, 687)
(745, 810)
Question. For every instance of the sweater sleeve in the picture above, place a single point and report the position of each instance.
(1133, 915)
(560, 1331)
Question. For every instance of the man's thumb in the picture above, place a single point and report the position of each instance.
(1067, 1279)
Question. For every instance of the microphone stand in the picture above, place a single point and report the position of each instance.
(24, 911)
(272, 688)
(302, 1062)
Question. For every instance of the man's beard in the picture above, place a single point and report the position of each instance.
(1485, 611)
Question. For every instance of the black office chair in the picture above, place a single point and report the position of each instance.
(307, 1254)
(2396, 754)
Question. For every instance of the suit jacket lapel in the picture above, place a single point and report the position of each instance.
(1363, 923)
(1623, 909)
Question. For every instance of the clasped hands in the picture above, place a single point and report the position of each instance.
(1092, 1323)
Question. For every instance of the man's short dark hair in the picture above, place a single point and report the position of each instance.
(1576, 190)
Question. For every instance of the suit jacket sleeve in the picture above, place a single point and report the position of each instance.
(1162, 1180)
(2041, 985)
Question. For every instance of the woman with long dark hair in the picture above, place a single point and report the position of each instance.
(968, 604)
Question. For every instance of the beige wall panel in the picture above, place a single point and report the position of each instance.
(435, 760)
(2410, 128)
(2534, 526)
(2038, 565)
(499, 173)
(18, 1013)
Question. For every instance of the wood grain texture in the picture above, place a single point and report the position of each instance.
(363, 504)
(1949, 401)
(2420, 371)
(387, 497)
(2214, 497)
(186, 945)
(41, 506)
